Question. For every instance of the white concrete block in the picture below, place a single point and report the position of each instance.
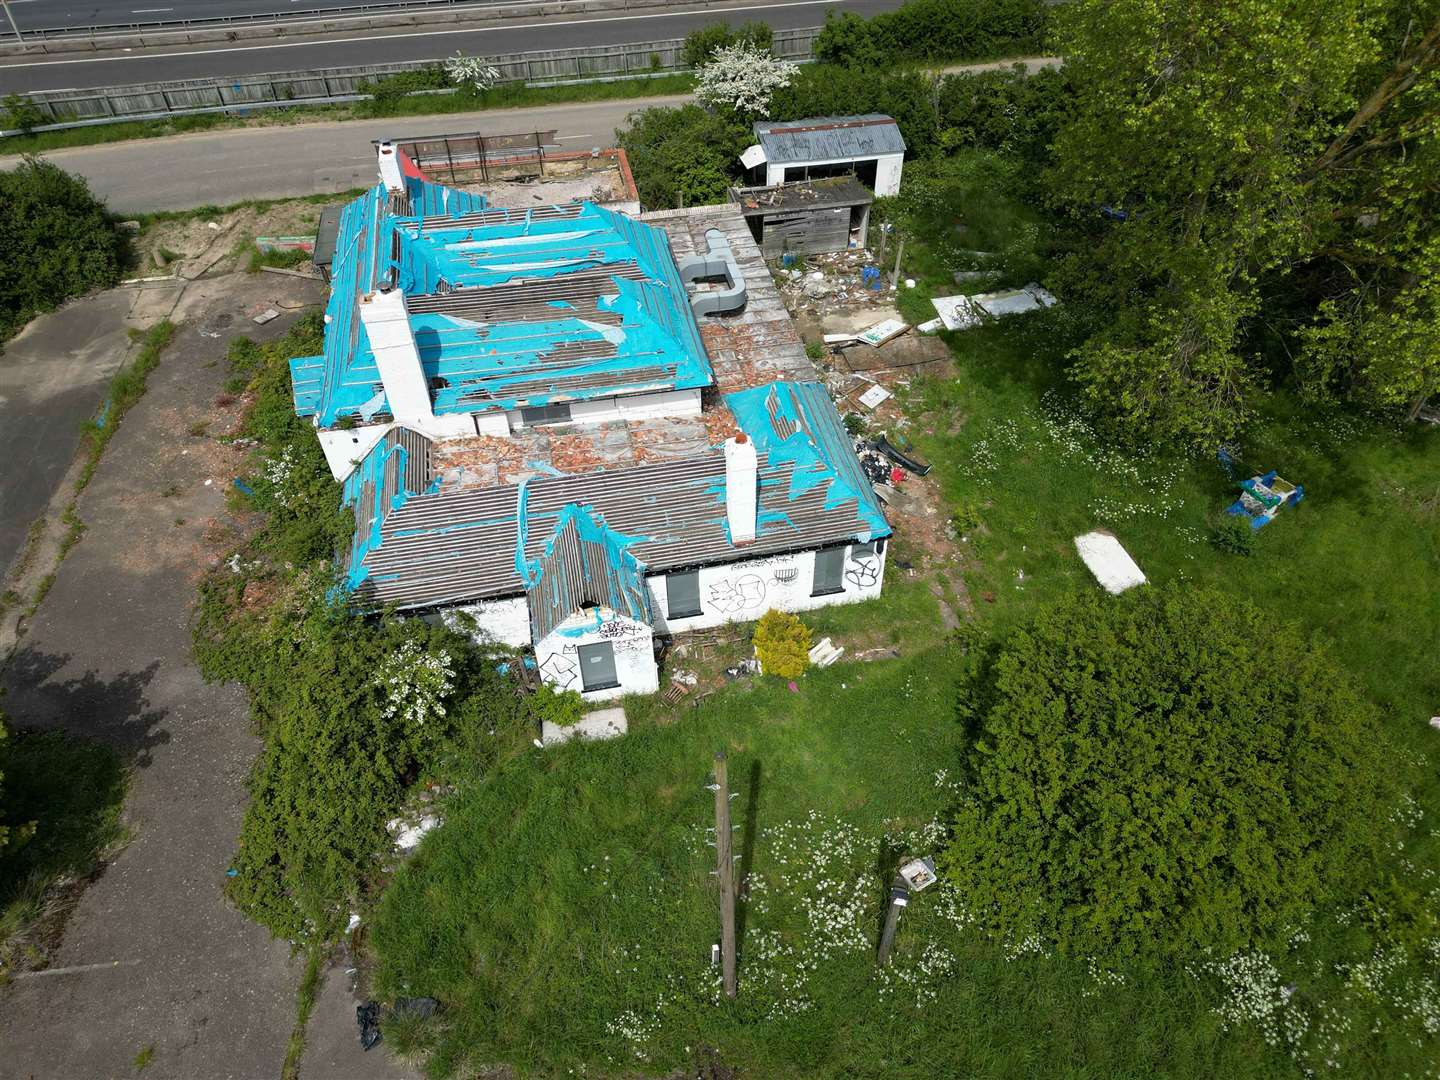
(600, 724)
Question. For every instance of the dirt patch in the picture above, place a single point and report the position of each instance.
(221, 243)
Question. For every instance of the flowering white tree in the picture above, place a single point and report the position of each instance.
(743, 77)
(415, 683)
(471, 70)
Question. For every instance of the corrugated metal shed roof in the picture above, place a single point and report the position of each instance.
(828, 138)
(509, 308)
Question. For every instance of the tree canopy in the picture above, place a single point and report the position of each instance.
(1253, 191)
(1166, 771)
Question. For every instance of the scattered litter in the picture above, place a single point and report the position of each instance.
(266, 316)
(956, 312)
(215, 225)
(1109, 562)
(839, 339)
(825, 652)
(367, 1016)
(409, 836)
(240, 485)
(1435, 722)
(601, 724)
(353, 923)
(742, 670)
(685, 678)
(793, 688)
(882, 332)
(906, 460)
(209, 482)
(1264, 496)
(934, 326)
(873, 398)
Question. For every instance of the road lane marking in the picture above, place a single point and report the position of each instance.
(401, 37)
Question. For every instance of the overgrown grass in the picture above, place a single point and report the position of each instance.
(74, 790)
(509, 96)
(564, 913)
(285, 258)
(126, 389)
(304, 1004)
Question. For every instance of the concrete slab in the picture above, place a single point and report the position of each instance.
(159, 957)
(1111, 564)
(53, 377)
(600, 724)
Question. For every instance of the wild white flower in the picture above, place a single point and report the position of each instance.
(416, 683)
(472, 71)
(742, 77)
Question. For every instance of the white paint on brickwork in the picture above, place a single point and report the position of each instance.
(743, 591)
(506, 620)
(559, 658)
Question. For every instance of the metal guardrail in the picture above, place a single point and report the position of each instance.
(150, 101)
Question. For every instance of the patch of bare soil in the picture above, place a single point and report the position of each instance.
(194, 246)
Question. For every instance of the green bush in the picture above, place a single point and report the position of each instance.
(833, 90)
(683, 156)
(1233, 533)
(58, 242)
(701, 44)
(1167, 773)
(782, 644)
(20, 114)
(933, 30)
(559, 707)
(386, 91)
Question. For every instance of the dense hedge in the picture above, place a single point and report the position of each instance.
(933, 30)
(58, 242)
(1170, 771)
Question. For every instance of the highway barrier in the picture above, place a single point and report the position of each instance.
(180, 97)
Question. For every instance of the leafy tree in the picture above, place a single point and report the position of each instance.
(742, 79)
(700, 45)
(683, 157)
(1166, 772)
(20, 113)
(932, 30)
(828, 90)
(58, 241)
(1239, 144)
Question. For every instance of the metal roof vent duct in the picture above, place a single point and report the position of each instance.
(717, 262)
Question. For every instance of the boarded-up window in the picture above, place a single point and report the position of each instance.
(829, 570)
(597, 666)
(682, 594)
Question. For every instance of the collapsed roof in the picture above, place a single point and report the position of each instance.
(509, 308)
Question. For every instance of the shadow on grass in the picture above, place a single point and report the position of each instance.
(747, 853)
(66, 767)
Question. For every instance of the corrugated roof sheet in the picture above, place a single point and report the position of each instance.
(448, 546)
(509, 308)
(585, 565)
(828, 138)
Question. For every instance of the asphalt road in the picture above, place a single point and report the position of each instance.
(67, 14)
(303, 159)
(70, 71)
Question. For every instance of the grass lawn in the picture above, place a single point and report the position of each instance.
(74, 791)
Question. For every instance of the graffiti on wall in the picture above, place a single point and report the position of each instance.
(559, 670)
(863, 572)
(742, 594)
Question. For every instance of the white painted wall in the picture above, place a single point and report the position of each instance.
(506, 620)
(887, 170)
(634, 644)
(742, 591)
(344, 449)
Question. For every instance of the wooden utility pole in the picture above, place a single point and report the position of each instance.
(725, 870)
(899, 897)
(895, 274)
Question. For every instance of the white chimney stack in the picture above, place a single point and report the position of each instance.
(742, 487)
(390, 166)
(387, 324)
